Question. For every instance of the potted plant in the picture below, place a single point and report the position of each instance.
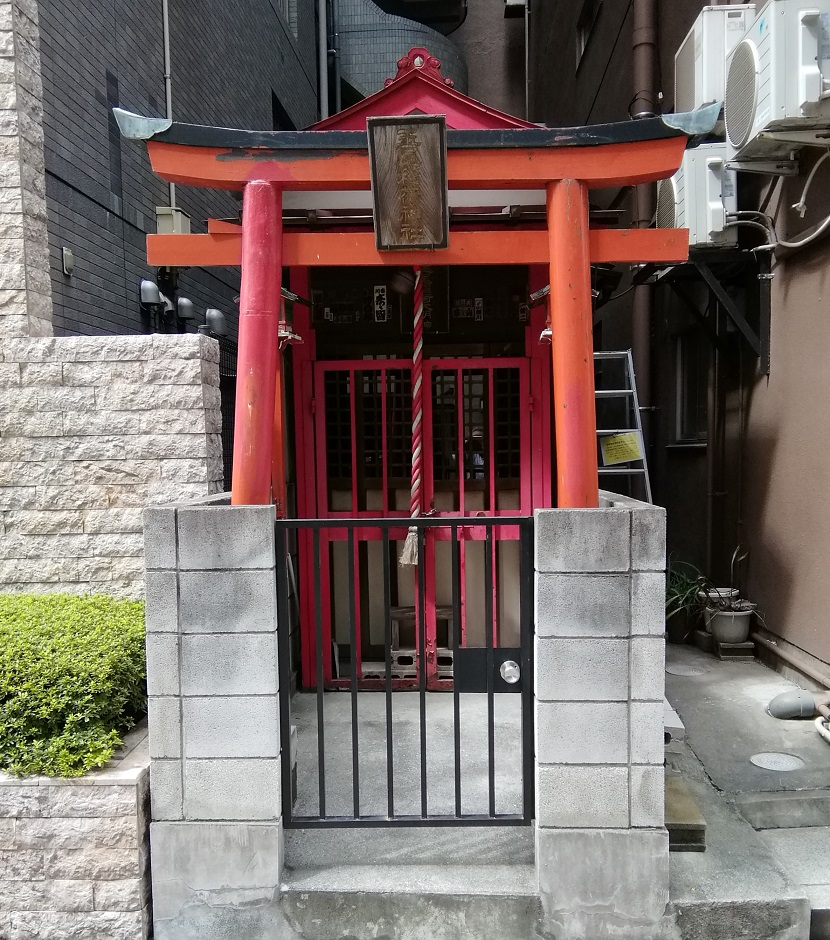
(684, 600)
(728, 616)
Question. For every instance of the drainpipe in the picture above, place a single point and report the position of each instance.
(644, 105)
(335, 51)
(168, 78)
(322, 59)
(527, 60)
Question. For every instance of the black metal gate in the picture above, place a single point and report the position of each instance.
(386, 755)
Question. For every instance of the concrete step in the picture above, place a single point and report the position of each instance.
(685, 822)
(805, 855)
(819, 896)
(793, 809)
(412, 902)
(462, 845)
(738, 889)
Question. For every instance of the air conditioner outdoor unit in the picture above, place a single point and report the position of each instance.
(700, 62)
(699, 196)
(778, 86)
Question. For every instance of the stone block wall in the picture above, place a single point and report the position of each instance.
(92, 430)
(212, 679)
(25, 286)
(74, 853)
(602, 848)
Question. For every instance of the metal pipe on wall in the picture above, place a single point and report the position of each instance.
(322, 59)
(168, 78)
(644, 105)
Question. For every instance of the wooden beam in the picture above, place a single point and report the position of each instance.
(624, 164)
(356, 249)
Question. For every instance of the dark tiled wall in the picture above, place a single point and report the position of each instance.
(229, 56)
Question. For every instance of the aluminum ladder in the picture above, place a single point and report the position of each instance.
(627, 394)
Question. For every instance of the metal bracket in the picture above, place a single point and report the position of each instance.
(729, 306)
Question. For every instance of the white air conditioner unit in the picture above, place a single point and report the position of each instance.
(699, 196)
(700, 62)
(776, 98)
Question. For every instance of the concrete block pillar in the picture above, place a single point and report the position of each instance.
(601, 844)
(216, 840)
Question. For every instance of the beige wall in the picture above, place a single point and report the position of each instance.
(495, 53)
(787, 458)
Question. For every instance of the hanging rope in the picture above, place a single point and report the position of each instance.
(409, 554)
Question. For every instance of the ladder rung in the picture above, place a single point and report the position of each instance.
(623, 471)
(611, 355)
(613, 392)
(618, 430)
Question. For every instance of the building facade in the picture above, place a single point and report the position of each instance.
(731, 447)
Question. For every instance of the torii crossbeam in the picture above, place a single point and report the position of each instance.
(564, 163)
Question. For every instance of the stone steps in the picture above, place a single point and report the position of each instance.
(685, 822)
(412, 902)
(449, 845)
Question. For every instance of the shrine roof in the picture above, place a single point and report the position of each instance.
(420, 88)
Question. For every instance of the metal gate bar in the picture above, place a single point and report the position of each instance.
(467, 679)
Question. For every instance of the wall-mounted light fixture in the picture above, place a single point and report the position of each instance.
(215, 323)
(151, 303)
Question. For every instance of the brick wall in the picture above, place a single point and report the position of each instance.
(92, 429)
(227, 60)
(74, 853)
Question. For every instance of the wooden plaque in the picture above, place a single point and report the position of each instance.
(408, 160)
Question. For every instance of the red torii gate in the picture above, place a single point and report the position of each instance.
(564, 162)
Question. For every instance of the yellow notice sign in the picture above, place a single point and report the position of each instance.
(620, 448)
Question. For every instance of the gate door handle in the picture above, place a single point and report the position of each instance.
(510, 672)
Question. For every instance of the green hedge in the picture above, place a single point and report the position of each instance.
(72, 680)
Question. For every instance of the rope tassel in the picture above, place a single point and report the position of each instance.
(409, 554)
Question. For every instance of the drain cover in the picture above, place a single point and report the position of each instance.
(680, 669)
(773, 760)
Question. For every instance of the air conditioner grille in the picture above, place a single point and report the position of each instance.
(666, 204)
(741, 96)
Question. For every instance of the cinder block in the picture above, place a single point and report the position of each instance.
(583, 605)
(229, 664)
(166, 789)
(602, 883)
(165, 726)
(162, 663)
(582, 797)
(161, 606)
(226, 537)
(232, 789)
(648, 668)
(160, 537)
(648, 603)
(228, 601)
(231, 727)
(577, 670)
(199, 863)
(648, 539)
(647, 740)
(581, 733)
(583, 540)
(648, 784)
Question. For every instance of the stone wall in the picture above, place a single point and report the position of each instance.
(25, 287)
(601, 845)
(92, 430)
(74, 853)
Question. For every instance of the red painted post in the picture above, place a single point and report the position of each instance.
(572, 345)
(259, 310)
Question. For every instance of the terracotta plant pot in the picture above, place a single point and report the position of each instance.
(729, 626)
